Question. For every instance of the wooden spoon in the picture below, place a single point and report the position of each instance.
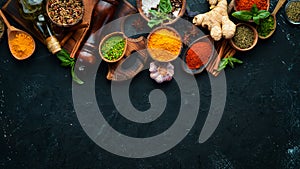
(11, 34)
(273, 14)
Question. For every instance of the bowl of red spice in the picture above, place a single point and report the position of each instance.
(65, 13)
(198, 55)
(240, 5)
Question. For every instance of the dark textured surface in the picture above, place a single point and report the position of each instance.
(260, 127)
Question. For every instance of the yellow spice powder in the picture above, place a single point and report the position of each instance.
(22, 45)
(164, 45)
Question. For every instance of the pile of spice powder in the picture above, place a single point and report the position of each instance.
(164, 45)
(198, 55)
(293, 11)
(244, 37)
(22, 45)
(247, 4)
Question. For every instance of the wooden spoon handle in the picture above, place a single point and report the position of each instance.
(278, 6)
(5, 20)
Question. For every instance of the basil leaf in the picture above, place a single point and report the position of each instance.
(165, 6)
(235, 60)
(254, 9)
(242, 15)
(154, 22)
(74, 76)
(264, 14)
(256, 19)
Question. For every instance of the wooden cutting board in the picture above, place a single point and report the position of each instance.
(71, 39)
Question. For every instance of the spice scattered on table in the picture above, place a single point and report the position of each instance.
(293, 11)
(113, 48)
(164, 45)
(22, 45)
(247, 4)
(198, 55)
(266, 26)
(65, 12)
(244, 37)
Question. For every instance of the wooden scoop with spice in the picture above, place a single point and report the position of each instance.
(21, 44)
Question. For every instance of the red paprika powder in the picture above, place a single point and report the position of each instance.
(198, 55)
(247, 4)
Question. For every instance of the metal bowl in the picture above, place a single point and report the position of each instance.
(285, 10)
(2, 28)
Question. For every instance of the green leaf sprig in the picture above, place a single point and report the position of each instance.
(228, 61)
(254, 14)
(160, 15)
(67, 61)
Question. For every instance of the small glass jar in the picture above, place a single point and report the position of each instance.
(30, 9)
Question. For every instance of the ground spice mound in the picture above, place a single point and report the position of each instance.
(198, 55)
(164, 45)
(247, 4)
(22, 45)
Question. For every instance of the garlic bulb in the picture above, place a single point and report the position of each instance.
(161, 72)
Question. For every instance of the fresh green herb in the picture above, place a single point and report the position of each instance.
(160, 15)
(228, 61)
(67, 61)
(254, 14)
(266, 26)
(113, 47)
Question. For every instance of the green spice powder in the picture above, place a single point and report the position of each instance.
(293, 11)
(113, 47)
(244, 37)
(266, 26)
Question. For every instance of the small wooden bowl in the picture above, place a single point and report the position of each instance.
(207, 39)
(254, 42)
(79, 19)
(106, 38)
(268, 5)
(180, 14)
(169, 29)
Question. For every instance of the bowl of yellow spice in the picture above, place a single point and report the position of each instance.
(164, 44)
(292, 11)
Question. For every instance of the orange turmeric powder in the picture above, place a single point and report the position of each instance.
(22, 45)
(164, 45)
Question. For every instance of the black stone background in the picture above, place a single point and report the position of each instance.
(260, 127)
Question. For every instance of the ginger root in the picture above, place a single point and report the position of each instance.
(217, 20)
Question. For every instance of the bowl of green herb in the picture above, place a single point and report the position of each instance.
(113, 47)
(292, 11)
(245, 37)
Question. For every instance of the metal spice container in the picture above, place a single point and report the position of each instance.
(292, 11)
(2, 28)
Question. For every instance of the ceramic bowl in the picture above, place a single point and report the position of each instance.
(206, 39)
(254, 42)
(67, 15)
(155, 31)
(285, 10)
(147, 18)
(105, 39)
